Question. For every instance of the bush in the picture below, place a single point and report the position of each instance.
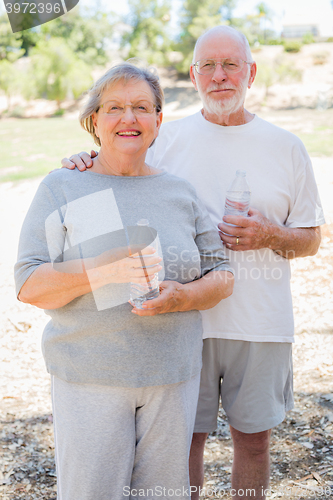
(17, 112)
(274, 41)
(59, 112)
(308, 38)
(329, 39)
(292, 46)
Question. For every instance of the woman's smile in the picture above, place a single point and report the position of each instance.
(128, 133)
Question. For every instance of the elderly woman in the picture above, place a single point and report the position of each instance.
(124, 385)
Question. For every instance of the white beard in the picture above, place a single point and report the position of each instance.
(224, 106)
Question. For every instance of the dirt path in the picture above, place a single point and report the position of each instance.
(302, 446)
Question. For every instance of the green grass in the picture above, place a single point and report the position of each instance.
(33, 147)
(320, 142)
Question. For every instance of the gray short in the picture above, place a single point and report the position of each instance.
(254, 380)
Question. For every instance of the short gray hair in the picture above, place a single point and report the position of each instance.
(123, 72)
(228, 30)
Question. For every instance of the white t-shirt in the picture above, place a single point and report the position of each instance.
(284, 190)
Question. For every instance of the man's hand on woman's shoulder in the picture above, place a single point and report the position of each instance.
(82, 160)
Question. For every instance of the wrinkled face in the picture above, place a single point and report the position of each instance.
(221, 92)
(130, 132)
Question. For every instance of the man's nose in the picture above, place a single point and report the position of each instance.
(219, 74)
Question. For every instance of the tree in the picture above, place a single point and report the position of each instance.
(10, 43)
(255, 26)
(264, 14)
(86, 36)
(56, 71)
(198, 16)
(148, 38)
(29, 39)
(280, 71)
(9, 80)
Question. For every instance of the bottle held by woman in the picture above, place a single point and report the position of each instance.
(141, 292)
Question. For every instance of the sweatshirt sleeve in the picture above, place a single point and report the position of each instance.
(212, 255)
(42, 236)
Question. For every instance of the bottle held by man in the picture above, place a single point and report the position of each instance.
(237, 201)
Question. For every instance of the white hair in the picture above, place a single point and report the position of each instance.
(228, 31)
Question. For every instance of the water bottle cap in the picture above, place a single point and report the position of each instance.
(143, 222)
(241, 173)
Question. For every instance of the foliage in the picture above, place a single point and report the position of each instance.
(308, 38)
(10, 43)
(57, 72)
(292, 46)
(84, 36)
(29, 39)
(9, 80)
(197, 17)
(280, 71)
(148, 39)
(256, 26)
(274, 41)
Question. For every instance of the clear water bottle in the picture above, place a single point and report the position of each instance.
(237, 201)
(140, 292)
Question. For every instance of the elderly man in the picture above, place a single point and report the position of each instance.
(247, 357)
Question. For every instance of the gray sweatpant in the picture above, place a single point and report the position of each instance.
(113, 442)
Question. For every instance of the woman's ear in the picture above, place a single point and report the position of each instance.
(94, 120)
(159, 119)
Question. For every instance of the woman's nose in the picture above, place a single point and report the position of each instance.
(128, 114)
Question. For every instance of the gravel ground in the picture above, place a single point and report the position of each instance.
(302, 446)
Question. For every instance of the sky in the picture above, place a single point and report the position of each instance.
(295, 11)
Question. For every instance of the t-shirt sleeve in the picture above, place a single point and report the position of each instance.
(42, 236)
(212, 255)
(306, 210)
(155, 156)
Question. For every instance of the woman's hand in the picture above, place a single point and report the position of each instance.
(200, 294)
(169, 300)
(114, 267)
(50, 288)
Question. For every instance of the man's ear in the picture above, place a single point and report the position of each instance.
(253, 73)
(192, 75)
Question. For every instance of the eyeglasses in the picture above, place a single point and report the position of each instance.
(229, 65)
(140, 108)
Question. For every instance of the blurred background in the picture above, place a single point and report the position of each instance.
(45, 70)
(43, 73)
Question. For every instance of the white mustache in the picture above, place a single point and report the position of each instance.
(211, 89)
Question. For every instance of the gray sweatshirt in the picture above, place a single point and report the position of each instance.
(95, 338)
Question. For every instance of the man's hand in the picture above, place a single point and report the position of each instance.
(168, 300)
(256, 231)
(253, 232)
(81, 160)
